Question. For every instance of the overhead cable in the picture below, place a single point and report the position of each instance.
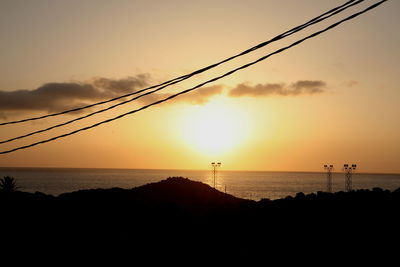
(202, 84)
(187, 76)
(156, 90)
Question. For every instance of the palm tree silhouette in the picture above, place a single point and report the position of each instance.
(8, 184)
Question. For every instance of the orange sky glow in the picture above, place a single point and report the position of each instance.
(332, 100)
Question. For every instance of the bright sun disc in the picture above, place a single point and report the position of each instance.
(215, 128)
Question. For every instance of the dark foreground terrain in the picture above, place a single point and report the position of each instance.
(177, 217)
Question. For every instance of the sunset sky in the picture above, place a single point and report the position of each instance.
(331, 100)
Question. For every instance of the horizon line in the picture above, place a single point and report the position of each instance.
(175, 169)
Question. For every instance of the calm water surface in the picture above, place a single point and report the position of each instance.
(245, 184)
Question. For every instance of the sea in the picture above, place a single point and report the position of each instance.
(253, 185)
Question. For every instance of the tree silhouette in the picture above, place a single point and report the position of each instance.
(8, 184)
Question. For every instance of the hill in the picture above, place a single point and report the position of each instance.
(180, 214)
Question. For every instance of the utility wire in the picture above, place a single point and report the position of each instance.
(202, 84)
(187, 76)
(158, 89)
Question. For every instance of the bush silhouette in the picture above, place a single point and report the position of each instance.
(8, 184)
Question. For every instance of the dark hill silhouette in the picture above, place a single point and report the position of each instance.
(178, 214)
(175, 195)
(177, 190)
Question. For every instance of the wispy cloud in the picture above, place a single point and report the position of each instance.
(55, 97)
(197, 97)
(351, 83)
(302, 87)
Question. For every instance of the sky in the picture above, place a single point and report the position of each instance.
(331, 100)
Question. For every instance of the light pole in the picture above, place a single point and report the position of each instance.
(348, 176)
(215, 165)
(329, 169)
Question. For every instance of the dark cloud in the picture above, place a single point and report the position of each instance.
(122, 86)
(303, 87)
(49, 97)
(54, 97)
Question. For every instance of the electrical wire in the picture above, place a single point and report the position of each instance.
(314, 21)
(202, 84)
(187, 76)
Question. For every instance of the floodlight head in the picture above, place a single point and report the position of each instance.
(331, 166)
(212, 163)
(346, 165)
(325, 166)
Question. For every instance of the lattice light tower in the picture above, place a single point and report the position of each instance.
(329, 169)
(348, 176)
(215, 166)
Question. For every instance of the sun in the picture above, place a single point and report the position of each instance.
(215, 128)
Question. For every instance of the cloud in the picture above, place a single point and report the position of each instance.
(351, 83)
(49, 97)
(201, 95)
(196, 97)
(122, 86)
(302, 87)
(56, 97)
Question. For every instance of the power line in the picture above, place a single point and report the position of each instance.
(202, 84)
(314, 21)
(317, 19)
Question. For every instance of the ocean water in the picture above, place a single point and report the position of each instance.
(244, 184)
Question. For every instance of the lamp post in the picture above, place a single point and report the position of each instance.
(215, 165)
